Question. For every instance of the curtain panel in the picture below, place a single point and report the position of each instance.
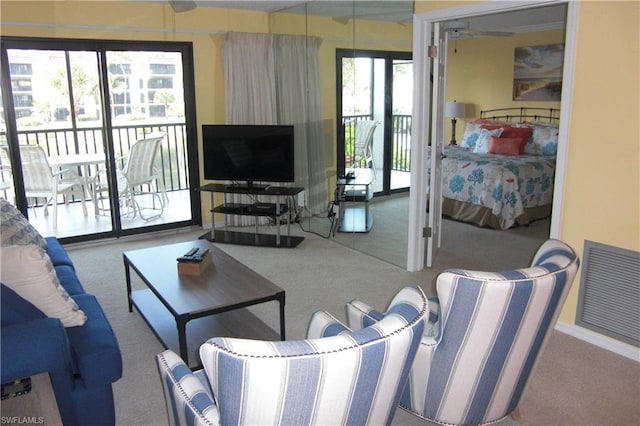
(299, 102)
(275, 79)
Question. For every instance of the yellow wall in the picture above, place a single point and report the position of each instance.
(602, 185)
(204, 27)
(480, 73)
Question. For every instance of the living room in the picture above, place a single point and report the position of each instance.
(617, 177)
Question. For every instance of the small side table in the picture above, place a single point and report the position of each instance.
(352, 191)
(37, 407)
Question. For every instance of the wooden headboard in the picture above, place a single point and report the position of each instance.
(549, 115)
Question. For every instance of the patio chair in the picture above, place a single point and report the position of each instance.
(5, 179)
(475, 362)
(143, 179)
(335, 376)
(363, 145)
(41, 181)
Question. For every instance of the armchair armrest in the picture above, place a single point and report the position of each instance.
(361, 315)
(188, 399)
(34, 347)
(323, 324)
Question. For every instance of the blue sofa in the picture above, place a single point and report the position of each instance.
(82, 361)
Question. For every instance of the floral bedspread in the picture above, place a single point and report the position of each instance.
(505, 184)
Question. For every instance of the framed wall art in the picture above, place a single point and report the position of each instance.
(537, 72)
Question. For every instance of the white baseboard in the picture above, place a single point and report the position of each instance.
(599, 340)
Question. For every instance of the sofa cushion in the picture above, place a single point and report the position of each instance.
(28, 271)
(57, 253)
(15, 229)
(94, 347)
(69, 280)
(15, 309)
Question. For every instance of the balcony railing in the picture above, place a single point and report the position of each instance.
(65, 141)
(401, 159)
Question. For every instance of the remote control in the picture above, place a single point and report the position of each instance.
(194, 255)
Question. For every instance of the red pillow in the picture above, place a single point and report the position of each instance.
(522, 133)
(504, 146)
(495, 126)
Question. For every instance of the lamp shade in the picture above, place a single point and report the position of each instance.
(454, 109)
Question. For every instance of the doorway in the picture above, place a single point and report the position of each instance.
(425, 23)
(374, 85)
(82, 106)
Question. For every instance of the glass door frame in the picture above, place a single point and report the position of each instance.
(101, 47)
(387, 125)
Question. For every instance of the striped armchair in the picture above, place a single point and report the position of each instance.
(473, 366)
(335, 376)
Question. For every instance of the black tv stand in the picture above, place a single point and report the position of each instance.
(257, 209)
(247, 187)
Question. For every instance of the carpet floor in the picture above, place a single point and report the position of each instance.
(576, 382)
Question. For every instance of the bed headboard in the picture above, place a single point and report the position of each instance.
(549, 115)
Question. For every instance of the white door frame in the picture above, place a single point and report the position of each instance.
(422, 25)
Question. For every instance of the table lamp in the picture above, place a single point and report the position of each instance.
(454, 110)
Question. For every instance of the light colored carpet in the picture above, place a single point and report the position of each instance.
(575, 384)
(468, 245)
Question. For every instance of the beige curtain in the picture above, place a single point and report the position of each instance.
(276, 80)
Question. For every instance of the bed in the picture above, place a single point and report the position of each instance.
(501, 174)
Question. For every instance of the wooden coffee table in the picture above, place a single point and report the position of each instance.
(211, 303)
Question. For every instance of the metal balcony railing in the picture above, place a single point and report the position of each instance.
(401, 159)
(89, 140)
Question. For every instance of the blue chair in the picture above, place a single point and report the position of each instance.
(335, 376)
(475, 361)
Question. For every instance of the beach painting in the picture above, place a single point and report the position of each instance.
(537, 72)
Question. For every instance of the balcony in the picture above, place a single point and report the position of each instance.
(172, 161)
(401, 149)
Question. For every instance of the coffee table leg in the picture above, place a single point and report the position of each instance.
(127, 273)
(182, 340)
(281, 300)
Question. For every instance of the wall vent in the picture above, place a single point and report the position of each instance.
(609, 299)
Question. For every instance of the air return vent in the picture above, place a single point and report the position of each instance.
(609, 300)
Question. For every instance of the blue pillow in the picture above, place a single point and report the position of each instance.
(15, 309)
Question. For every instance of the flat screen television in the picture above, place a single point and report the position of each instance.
(248, 153)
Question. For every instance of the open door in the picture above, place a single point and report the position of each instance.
(427, 137)
(434, 221)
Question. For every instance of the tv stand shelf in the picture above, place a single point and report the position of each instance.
(275, 210)
(254, 209)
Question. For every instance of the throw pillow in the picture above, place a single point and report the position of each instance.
(27, 270)
(523, 133)
(15, 229)
(470, 136)
(482, 144)
(473, 128)
(504, 146)
(543, 140)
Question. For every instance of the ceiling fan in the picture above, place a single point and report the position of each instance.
(457, 30)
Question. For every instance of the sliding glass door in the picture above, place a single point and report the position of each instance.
(74, 112)
(377, 86)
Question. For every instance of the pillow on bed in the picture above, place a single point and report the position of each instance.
(522, 133)
(505, 146)
(543, 140)
(473, 128)
(471, 133)
(482, 144)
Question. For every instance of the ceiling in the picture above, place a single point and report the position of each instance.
(377, 10)
(537, 19)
